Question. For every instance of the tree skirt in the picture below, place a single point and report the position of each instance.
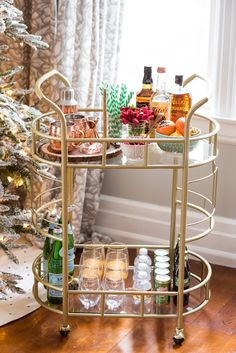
(19, 305)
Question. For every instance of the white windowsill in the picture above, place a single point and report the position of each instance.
(227, 133)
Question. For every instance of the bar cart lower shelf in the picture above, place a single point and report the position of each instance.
(199, 289)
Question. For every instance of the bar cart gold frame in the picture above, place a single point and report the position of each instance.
(67, 198)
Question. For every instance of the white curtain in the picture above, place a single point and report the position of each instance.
(222, 57)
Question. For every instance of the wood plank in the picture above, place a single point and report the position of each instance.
(212, 330)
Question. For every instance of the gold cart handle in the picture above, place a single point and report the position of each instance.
(45, 77)
(198, 104)
(47, 101)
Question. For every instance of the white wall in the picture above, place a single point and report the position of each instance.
(146, 220)
(153, 186)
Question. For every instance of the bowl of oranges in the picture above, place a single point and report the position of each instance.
(167, 128)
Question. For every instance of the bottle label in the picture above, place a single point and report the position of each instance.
(71, 256)
(45, 266)
(142, 101)
(147, 85)
(160, 108)
(162, 299)
(56, 280)
(186, 282)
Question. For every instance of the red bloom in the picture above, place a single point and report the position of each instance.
(135, 116)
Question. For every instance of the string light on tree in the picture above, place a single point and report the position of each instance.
(16, 164)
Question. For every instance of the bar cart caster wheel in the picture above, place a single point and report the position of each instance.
(64, 331)
(179, 337)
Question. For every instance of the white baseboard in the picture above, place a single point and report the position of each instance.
(137, 222)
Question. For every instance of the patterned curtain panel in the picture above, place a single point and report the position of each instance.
(84, 38)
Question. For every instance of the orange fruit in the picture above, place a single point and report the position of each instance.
(166, 127)
(180, 123)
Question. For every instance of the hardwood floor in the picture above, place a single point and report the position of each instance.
(212, 330)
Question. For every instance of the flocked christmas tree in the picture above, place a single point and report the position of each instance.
(16, 163)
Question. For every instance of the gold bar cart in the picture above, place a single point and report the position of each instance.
(176, 163)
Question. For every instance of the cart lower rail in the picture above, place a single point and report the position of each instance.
(147, 306)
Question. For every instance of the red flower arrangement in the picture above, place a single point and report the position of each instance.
(135, 116)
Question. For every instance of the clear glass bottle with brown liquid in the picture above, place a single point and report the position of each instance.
(180, 100)
(143, 96)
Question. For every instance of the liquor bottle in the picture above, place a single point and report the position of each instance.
(67, 102)
(71, 251)
(48, 245)
(186, 280)
(176, 255)
(55, 269)
(180, 100)
(160, 101)
(143, 96)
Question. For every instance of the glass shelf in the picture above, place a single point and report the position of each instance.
(157, 159)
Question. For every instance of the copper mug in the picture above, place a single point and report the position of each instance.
(88, 126)
(55, 130)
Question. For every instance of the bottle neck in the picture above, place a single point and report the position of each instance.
(179, 88)
(161, 82)
(147, 80)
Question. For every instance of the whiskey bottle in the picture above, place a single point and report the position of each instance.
(159, 102)
(143, 96)
(180, 100)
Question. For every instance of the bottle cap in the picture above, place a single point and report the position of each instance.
(161, 271)
(162, 278)
(67, 93)
(148, 69)
(162, 265)
(143, 251)
(179, 79)
(161, 252)
(161, 69)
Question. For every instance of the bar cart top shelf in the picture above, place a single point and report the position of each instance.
(154, 157)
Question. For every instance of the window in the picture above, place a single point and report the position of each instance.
(186, 36)
(164, 33)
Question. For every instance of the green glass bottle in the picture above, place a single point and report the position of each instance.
(71, 251)
(48, 245)
(55, 275)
